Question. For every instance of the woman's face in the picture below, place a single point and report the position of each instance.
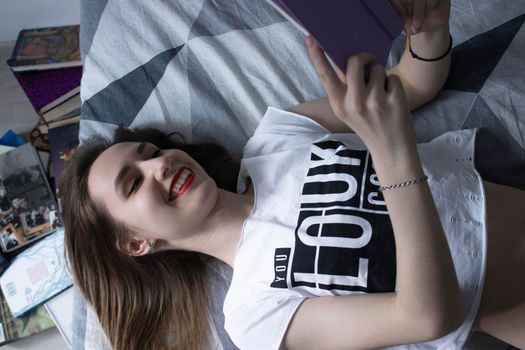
(158, 194)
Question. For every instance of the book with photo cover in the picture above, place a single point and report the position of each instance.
(29, 208)
(345, 28)
(14, 328)
(46, 48)
(63, 140)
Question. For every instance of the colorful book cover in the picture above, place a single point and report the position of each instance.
(36, 275)
(344, 28)
(33, 210)
(46, 48)
(12, 328)
(63, 141)
(42, 87)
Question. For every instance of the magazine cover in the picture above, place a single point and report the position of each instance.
(28, 206)
(12, 328)
(46, 48)
(36, 275)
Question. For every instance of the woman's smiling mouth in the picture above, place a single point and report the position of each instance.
(180, 183)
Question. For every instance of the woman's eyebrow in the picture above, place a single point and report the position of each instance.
(120, 176)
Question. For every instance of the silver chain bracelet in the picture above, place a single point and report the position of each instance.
(403, 184)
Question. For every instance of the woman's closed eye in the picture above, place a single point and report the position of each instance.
(135, 185)
(138, 181)
(156, 153)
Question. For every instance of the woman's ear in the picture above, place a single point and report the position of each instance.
(135, 247)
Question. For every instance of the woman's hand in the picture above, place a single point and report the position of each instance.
(423, 15)
(376, 110)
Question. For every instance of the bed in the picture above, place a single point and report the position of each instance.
(209, 68)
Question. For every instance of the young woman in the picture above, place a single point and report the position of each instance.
(334, 245)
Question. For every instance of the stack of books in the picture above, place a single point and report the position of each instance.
(34, 278)
(32, 263)
(47, 64)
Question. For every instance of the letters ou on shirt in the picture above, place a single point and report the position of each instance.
(344, 238)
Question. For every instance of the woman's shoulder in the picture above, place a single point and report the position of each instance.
(322, 113)
(279, 121)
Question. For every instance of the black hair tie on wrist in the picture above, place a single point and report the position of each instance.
(417, 57)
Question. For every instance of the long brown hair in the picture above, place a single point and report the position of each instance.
(156, 301)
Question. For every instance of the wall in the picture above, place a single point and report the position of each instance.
(23, 14)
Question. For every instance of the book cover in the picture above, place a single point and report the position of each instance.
(33, 210)
(71, 119)
(43, 88)
(345, 28)
(38, 139)
(33, 322)
(63, 141)
(36, 275)
(46, 48)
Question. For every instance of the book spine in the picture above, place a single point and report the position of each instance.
(280, 7)
(46, 66)
(60, 100)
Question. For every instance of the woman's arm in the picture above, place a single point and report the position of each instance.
(421, 80)
(427, 303)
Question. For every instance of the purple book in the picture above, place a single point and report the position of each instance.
(346, 27)
(45, 86)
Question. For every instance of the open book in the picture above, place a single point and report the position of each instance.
(345, 27)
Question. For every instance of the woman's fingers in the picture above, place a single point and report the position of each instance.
(394, 88)
(331, 82)
(431, 6)
(377, 78)
(355, 73)
(418, 14)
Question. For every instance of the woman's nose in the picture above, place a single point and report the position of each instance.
(159, 167)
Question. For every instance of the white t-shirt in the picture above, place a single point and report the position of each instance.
(320, 226)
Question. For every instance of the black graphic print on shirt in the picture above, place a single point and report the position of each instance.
(344, 238)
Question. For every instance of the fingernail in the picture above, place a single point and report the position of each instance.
(309, 41)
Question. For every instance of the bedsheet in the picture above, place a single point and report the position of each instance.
(209, 68)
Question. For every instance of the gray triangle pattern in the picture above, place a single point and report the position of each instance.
(446, 113)
(91, 13)
(472, 17)
(235, 15)
(205, 96)
(122, 100)
(503, 91)
(498, 157)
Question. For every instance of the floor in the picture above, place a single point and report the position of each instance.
(16, 113)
